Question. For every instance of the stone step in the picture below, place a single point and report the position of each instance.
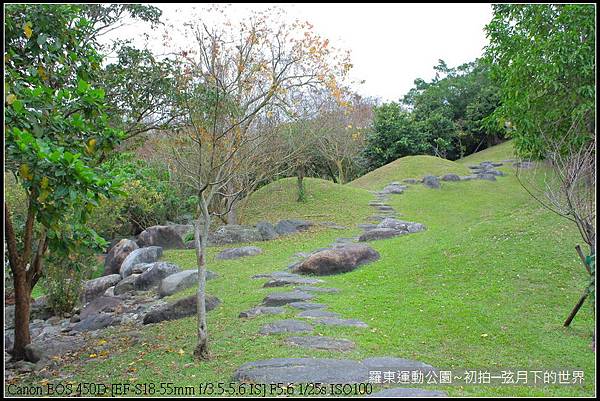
(286, 326)
(321, 342)
(282, 298)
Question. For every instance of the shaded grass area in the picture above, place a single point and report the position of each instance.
(487, 286)
(408, 167)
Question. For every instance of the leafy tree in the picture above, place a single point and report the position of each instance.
(394, 134)
(543, 58)
(56, 134)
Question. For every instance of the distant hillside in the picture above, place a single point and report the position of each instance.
(408, 167)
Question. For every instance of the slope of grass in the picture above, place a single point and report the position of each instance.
(325, 201)
(485, 287)
(504, 151)
(408, 167)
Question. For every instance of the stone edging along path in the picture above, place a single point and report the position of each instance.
(383, 224)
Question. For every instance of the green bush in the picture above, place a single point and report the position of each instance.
(64, 278)
(149, 199)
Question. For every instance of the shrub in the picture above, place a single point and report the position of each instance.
(64, 280)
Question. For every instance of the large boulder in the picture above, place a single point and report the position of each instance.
(163, 236)
(42, 349)
(100, 304)
(180, 281)
(96, 287)
(337, 260)
(117, 255)
(178, 310)
(234, 253)
(431, 181)
(95, 322)
(154, 274)
(266, 230)
(182, 229)
(233, 234)
(148, 254)
(126, 285)
(284, 227)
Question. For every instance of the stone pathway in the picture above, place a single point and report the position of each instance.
(383, 224)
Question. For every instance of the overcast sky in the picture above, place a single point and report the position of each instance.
(390, 44)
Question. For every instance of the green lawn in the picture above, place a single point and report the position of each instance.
(487, 286)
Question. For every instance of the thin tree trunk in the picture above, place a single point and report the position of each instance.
(341, 176)
(201, 351)
(231, 206)
(301, 190)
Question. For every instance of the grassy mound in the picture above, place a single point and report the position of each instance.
(408, 167)
(504, 151)
(325, 201)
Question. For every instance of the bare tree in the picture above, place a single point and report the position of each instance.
(565, 183)
(236, 75)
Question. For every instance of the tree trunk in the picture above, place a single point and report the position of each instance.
(301, 190)
(341, 176)
(22, 306)
(201, 351)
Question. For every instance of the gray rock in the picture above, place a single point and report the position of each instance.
(96, 287)
(148, 254)
(44, 348)
(286, 326)
(308, 288)
(116, 256)
(385, 208)
(282, 298)
(164, 236)
(284, 227)
(311, 370)
(468, 177)
(337, 260)
(233, 234)
(9, 317)
(307, 305)
(234, 253)
(281, 282)
(182, 230)
(431, 181)
(141, 267)
(100, 304)
(126, 285)
(402, 225)
(394, 188)
(180, 281)
(39, 308)
(276, 275)
(410, 181)
(262, 310)
(380, 233)
(95, 322)
(266, 230)
(321, 342)
(178, 310)
(110, 292)
(335, 321)
(488, 177)
(408, 392)
(317, 313)
(154, 275)
(451, 177)
(524, 164)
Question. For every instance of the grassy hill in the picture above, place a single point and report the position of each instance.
(325, 201)
(408, 167)
(486, 287)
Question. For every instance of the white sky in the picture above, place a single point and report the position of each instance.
(390, 44)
